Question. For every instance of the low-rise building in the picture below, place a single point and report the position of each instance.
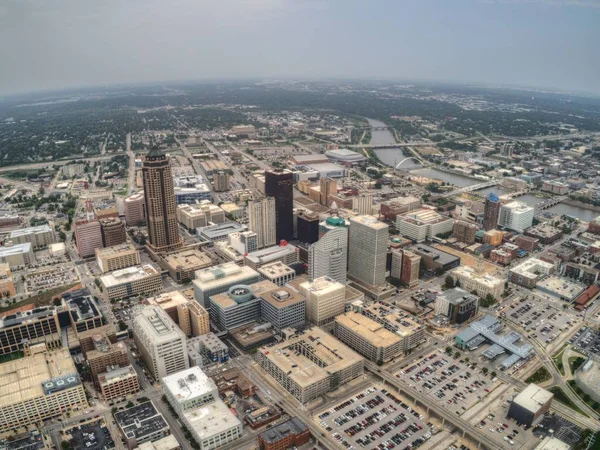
(529, 407)
(411, 332)
(434, 259)
(218, 279)
(39, 237)
(117, 257)
(141, 423)
(7, 285)
(206, 349)
(527, 243)
(132, 281)
(292, 433)
(183, 264)
(201, 215)
(464, 231)
(423, 224)
(17, 255)
(218, 232)
(545, 233)
(369, 338)
(479, 281)
(310, 364)
(189, 389)
(528, 273)
(118, 382)
(457, 305)
(286, 253)
(277, 273)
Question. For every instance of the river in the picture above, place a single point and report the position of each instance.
(392, 156)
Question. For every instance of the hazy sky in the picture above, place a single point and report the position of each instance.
(47, 44)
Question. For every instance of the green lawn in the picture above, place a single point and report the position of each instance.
(539, 376)
(583, 396)
(560, 396)
(575, 362)
(11, 356)
(557, 359)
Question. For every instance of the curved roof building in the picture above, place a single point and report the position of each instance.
(344, 155)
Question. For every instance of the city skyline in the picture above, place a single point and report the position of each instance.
(536, 43)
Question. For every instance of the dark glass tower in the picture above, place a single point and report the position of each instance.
(491, 212)
(159, 198)
(280, 185)
(308, 228)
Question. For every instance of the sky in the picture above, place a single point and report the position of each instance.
(55, 44)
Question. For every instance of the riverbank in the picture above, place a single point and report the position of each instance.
(581, 205)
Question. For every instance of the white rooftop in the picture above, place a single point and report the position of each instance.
(189, 384)
(31, 230)
(15, 249)
(533, 397)
(128, 275)
(211, 420)
(223, 273)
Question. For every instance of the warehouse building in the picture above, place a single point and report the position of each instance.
(310, 364)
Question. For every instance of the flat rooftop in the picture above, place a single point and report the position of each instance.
(140, 420)
(26, 378)
(118, 374)
(369, 221)
(424, 216)
(482, 278)
(115, 250)
(269, 254)
(393, 318)
(169, 300)
(276, 269)
(31, 230)
(561, 287)
(188, 259)
(439, 255)
(533, 268)
(282, 297)
(189, 383)
(230, 299)
(373, 332)
(215, 231)
(533, 397)
(333, 356)
(212, 419)
(223, 273)
(278, 432)
(15, 249)
(128, 275)
(456, 296)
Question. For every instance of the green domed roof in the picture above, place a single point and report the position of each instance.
(335, 221)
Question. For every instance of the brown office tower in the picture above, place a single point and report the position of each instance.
(113, 232)
(491, 211)
(159, 198)
(280, 185)
(410, 269)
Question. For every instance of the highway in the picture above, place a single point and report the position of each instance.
(131, 171)
(434, 408)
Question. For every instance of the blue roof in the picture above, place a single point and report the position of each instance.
(492, 197)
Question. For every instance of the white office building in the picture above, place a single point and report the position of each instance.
(39, 237)
(423, 224)
(261, 220)
(218, 279)
(516, 216)
(367, 250)
(161, 343)
(328, 257)
(189, 389)
(325, 299)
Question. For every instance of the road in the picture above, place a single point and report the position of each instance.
(44, 165)
(131, 170)
(435, 408)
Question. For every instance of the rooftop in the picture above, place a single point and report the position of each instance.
(373, 332)
(168, 300)
(456, 296)
(278, 432)
(15, 249)
(533, 397)
(140, 420)
(328, 356)
(276, 269)
(35, 376)
(221, 274)
(483, 278)
(369, 221)
(211, 419)
(393, 318)
(188, 259)
(31, 230)
(189, 384)
(269, 254)
(128, 275)
(115, 375)
(424, 216)
(221, 229)
(533, 268)
(241, 293)
(440, 256)
(115, 249)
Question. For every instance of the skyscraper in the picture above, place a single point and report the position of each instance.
(491, 211)
(328, 257)
(410, 269)
(308, 227)
(159, 198)
(280, 185)
(261, 220)
(328, 187)
(367, 250)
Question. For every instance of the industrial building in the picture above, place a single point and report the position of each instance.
(38, 387)
(117, 257)
(218, 279)
(457, 305)
(131, 281)
(161, 343)
(423, 224)
(369, 338)
(528, 408)
(310, 364)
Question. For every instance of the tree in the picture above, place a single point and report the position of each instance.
(62, 236)
(485, 370)
(378, 185)
(493, 374)
(449, 282)
(456, 355)
(65, 445)
(57, 302)
(122, 326)
(449, 350)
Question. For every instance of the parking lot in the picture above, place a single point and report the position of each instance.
(456, 383)
(47, 278)
(543, 322)
(375, 419)
(586, 341)
(91, 436)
